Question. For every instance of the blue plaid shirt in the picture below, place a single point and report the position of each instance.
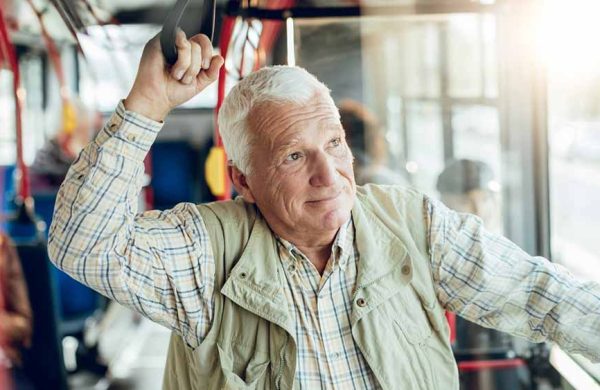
(161, 264)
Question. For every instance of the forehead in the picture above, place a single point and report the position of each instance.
(273, 119)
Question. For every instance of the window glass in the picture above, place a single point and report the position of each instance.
(425, 159)
(34, 123)
(8, 154)
(465, 55)
(429, 80)
(574, 134)
(476, 134)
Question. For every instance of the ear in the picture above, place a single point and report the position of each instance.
(240, 183)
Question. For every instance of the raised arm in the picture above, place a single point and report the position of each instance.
(158, 263)
(489, 280)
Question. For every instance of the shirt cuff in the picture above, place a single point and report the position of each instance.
(128, 133)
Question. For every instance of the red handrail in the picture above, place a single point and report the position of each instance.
(19, 93)
(478, 365)
(226, 31)
(270, 31)
(265, 44)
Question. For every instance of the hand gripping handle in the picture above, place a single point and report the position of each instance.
(171, 25)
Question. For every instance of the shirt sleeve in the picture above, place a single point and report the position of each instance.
(159, 263)
(489, 280)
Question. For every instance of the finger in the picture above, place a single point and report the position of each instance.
(183, 55)
(207, 49)
(195, 64)
(208, 76)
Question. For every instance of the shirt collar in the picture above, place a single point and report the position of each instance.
(342, 246)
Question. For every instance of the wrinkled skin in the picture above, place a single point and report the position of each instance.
(301, 175)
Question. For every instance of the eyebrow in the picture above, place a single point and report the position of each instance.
(331, 126)
(279, 149)
(335, 129)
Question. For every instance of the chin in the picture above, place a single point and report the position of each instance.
(334, 219)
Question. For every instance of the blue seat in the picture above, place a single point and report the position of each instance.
(175, 171)
(7, 192)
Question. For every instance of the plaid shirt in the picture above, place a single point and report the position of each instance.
(161, 264)
(328, 357)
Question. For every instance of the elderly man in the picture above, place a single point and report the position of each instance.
(304, 281)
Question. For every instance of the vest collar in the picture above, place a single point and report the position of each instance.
(256, 281)
(381, 250)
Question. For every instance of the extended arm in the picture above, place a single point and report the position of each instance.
(489, 280)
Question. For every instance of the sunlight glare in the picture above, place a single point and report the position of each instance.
(568, 36)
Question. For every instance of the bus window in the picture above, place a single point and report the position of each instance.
(574, 134)
(431, 79)
(7, 113)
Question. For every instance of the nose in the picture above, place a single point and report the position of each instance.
(324, 172)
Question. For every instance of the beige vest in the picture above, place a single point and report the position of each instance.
(399, 327)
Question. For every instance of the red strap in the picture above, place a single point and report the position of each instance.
(53, 53)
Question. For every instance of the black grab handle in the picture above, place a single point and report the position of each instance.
(171, 24)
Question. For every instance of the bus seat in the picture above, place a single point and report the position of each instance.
(174, 172)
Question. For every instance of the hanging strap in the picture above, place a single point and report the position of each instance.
(171, 25)
(69, 115)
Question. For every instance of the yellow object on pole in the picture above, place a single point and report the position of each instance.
(69, 118)
(214, 171)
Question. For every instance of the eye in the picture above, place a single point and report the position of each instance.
(336, 142)
(293, 156)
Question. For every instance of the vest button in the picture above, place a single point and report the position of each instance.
(361, 302)
(405, 269)
(243, 275)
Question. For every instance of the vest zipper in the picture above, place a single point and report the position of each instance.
(283, 363)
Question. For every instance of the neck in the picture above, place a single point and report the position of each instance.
(316, 247)
(318, 256)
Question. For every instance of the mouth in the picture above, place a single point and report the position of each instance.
(325, 199)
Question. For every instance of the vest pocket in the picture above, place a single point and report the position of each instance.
(413, 323)
(412, 319)
(254, 374)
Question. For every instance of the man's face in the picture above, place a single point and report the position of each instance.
(301, 168)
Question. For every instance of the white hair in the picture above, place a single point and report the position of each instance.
(275, 84)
